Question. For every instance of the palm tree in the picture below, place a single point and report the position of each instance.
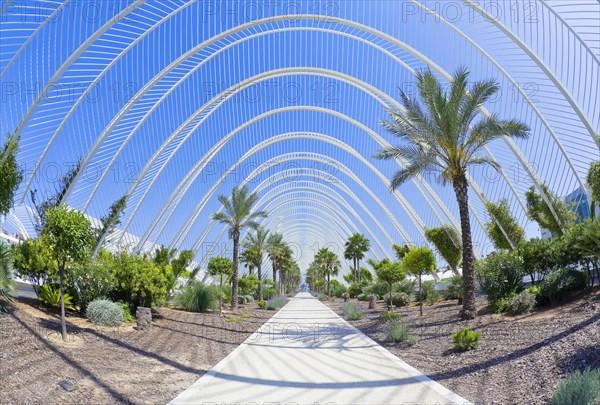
(284, 265)
(248, 257)
(356, 247)
(440, 135)
(274, 244)
(237, 216)
(329, 263)
(256, 243)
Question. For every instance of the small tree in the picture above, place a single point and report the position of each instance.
(503, 228)
(540, 212)
(33, 261)
(11, 174)
(400, 251)
(446, 240)
(70, 238)
(593, 180)
(419, 261)
(222, 268)
(109, 222)
(391, 273)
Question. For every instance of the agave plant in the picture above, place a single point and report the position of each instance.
(6, 283)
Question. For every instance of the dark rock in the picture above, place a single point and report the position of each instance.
(66, 385)
(144, 318)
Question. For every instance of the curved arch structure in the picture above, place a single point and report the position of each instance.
(172, 117)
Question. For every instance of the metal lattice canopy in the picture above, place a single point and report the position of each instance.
(174, 102)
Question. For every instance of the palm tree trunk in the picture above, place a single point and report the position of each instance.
(63, 321)
(328, 284)
(469, 310)
(274, 273)
(420, 296)
(356, 275)
(251, 270)
(259, 272)
(234, 276)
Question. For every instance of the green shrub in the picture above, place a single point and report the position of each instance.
(406, 286)
(499, 306)
(127, 315)
(248, 285)
(268, 292)
(198, 297)
(242, 300)
(104, 312)
(141, 281)
(249, 298)
(391, 316)
(521, 303)
(500, 275)
(233, 319)
(352, 312)
(345, 296)
(398, 332)
(579, 388)
(430, 294)
(399, 299)
(356, 288)
(380, 288)
(92, 282)
(466, 339)
(6, 282)
(361, 297)
(227, 294)
(322, 297)
(245, 316)
(337, 289)
(534, 289)
(262, 304)
(556, 284)
(454, 290)
(50, 297)
(276, 303)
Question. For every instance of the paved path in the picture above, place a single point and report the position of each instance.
(307, 354)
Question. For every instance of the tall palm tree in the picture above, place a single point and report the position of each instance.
(237, 216)
(257, 244)
(329, 263)
(274, 244)
(440, 135)
(356, 247)
(284, 265)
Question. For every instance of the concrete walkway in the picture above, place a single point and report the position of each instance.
(307, 354)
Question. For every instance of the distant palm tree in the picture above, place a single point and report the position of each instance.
(256, 244)
(274, 245)
(440, 136)
(238, 215)
(356, 247)
(329, 263)
(285, 264)
(248, 257)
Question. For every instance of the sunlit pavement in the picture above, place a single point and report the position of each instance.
(307, 354)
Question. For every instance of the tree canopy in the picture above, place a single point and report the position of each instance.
(11, 173)
(502, 227)
(446, 240)
(539, 211)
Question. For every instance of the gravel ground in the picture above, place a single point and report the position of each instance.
(112, 365)
(520, 359)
